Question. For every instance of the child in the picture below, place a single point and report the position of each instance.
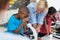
(37, 13)
(57, 26)
(57, 16)
(45, 29)
(17, 22)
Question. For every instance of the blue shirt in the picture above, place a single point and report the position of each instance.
(34, 17)
(14, 24)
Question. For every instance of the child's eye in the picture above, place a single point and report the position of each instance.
(25, 16)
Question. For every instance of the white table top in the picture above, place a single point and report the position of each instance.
(8, 36)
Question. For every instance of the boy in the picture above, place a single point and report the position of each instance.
(17, 22)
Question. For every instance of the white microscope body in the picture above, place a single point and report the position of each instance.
(33, 30)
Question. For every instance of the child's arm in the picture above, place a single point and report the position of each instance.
(53, 19)
(23, 24)
(18, 29)
(1, 25)
(25, 27)
(34, 25)
(46, 26)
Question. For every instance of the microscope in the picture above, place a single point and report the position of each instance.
(57, 28)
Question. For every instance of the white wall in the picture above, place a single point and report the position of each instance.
(55, 3)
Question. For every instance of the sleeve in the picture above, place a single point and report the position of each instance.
(41, 17)
(11, 25)
(32, 16)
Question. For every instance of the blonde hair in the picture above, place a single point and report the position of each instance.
(42, 4)
(32, 0)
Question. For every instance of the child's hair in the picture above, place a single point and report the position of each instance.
(51, 10)
(3, 3)
(42, 4)
(23, 10)
(32, 0)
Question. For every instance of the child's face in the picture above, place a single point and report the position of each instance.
(53, 15)
(39, 10)
(24, 16)
(25, 19)
(23, 13)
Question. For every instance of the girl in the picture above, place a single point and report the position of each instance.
(45, 29)
(57, 16)
(37, 13)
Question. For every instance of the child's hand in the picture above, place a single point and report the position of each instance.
(25, 30)
(24, 20)
(38, 29)
(47, 34)
(59, 26)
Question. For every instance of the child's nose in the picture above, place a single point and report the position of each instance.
(26, 19)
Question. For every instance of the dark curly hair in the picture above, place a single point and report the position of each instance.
(51, 10)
